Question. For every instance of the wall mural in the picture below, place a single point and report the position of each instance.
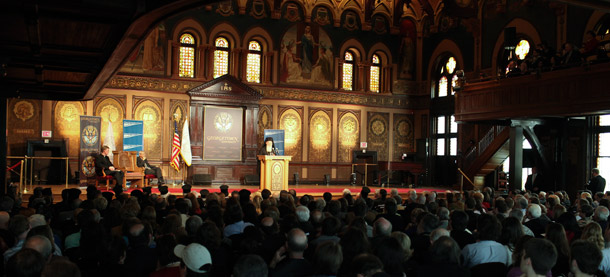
(378, 134)
(349, 136)
(66, 118)
(403, 135)
(111, 111)
(265, 121)
(407, 49)
(149, 57)
(23, 123)
(320, 131)
(306, 56)
(150, 113)
(291, 123)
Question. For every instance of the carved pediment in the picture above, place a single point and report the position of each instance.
(225, 87)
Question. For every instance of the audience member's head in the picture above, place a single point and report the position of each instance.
(61, 267)
(25, 263)
(328, 258)
(437, 233)
(539, 256)
(445, 251)
(585, 257)
(459, 220)
(41, 244)
(296, 241)
(489, 228)
(195, 257)
(366, 265)
(382, 227)
(593, 232)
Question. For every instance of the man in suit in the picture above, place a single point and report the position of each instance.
(103, 164)
(150, 169)
(597, 183)
(534, 181)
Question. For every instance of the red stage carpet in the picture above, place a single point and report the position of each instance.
(312, 190)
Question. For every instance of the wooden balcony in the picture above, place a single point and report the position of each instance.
(582, 90)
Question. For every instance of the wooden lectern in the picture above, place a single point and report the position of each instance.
(274, 172)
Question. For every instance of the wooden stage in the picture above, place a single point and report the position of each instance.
(314, 190)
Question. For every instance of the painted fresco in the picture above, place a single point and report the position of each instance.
(378, 130)
(320, 130)
(290, 122)
(111, 111)
(150, 113)
(65, 124)
(306, 56)
(149, 57)
(349, 136)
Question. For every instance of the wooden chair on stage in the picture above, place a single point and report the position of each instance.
(98, 178)
(148, 178)
(126, 161)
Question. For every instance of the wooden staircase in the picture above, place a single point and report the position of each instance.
(490, 153)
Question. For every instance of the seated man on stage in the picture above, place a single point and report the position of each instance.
(150, 169)
(103, 164)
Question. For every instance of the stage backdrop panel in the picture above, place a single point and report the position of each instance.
(278, 139)
(133, 135)
(223, 133)
(89, 142)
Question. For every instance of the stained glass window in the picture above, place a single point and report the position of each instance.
(375, 74)
(221, 57)
(186, 65)
(253, 67)
(522, 49)
(348, 71)
(453, 83)
(451, 64)
(442, 87)
(447, 78)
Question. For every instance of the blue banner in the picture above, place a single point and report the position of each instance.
(278, 139)
(133, 135)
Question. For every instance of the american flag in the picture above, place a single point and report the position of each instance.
(175, 162)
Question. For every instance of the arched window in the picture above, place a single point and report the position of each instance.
(348, 71)
(187, 56)
(375, 74)
(253, 67)
(221, 57)
(447, 79)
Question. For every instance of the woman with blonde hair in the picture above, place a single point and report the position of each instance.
(593, 233)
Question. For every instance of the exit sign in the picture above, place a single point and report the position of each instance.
(47, 134)
(363, 144)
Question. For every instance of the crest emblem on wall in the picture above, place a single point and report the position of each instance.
(90, 135)
(223, 122)
(23, 110)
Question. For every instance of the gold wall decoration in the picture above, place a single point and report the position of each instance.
(320, 131)
(291, 123)
(151, 114)
(66, 121)
(403, 135)
(417, 100)
(265, 121)
(23, 123)
(378, 139)
(111, 109)
(349, 136)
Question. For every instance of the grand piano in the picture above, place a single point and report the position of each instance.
(400, 173)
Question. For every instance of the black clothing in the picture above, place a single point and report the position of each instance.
(596, 184)
(537, 185)
(103, 164)
(538, 226)
(150, 169)
(293, 267)
(462, 238)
